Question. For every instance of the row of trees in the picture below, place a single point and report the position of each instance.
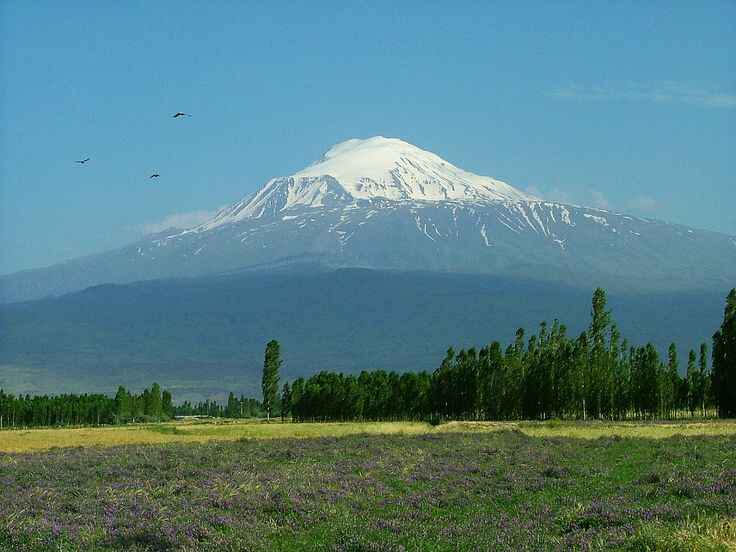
(547, 375)
(88, 409)
(242, 407)
(151, 405)
(724, 361)
(377, 395)
(58, 410)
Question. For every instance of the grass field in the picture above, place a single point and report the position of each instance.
(202, 431)
(372, 487)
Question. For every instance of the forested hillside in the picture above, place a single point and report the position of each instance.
(202, 338)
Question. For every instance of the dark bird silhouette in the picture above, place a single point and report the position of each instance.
(154, 175)
(83, 161)
(180, 114)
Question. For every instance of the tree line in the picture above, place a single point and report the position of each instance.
(58, 410)
(87, 409)
(243, 407)
(596, 374)
(151, 405)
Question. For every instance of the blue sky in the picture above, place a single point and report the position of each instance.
(626, 105)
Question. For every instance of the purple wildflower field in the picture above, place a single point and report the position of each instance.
(452, 491)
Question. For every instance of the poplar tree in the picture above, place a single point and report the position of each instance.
(649, 393)
(703, 377)
(270, 381)
(155, 401)
(724, 361)
(672, 380)
(167, 407)
(691, 379)
(144, 404)
(123, 405)
(579, 375)
(285, 401)
(232, 410)
(598, 365)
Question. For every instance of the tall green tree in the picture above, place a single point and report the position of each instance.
(579, 376)
(599, 365)
(144, 404)
(704, 379)
(270, 380)
(232, 410)
(167, 407)
(646, 378)
(285, 401)
(123, 405)
(155, 401)
(671, 384)
(691, 379)
(724, 361)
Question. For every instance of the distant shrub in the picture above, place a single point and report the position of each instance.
(652, 478)
(555, 472)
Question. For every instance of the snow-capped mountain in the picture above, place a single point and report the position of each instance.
(372, 169)
(384, 203)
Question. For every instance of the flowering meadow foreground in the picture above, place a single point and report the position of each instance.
(470, 487)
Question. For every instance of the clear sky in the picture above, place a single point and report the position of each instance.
(626, 105)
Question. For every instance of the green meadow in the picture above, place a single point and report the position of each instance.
(259, 486)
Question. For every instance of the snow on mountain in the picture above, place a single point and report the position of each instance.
(370, 169)
(382, 203)
(393, 169)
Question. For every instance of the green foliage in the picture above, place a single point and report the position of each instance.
(232, 410)
(544, 376)
(724, 360)
(206, 342)
(377, 395)
(167, 407)
(152, 405)
(270, 381)
(236, 408)
(153, 408)
(86, 409)
(285, 401)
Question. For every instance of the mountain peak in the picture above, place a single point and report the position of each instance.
(376, 168)
(390, 168)
(386, 204)
(355, 145)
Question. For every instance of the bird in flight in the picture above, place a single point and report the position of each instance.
(180, 114)
(154, 175)
(82, 161)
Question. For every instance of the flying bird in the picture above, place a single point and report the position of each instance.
(180, 114)
(83, 161)
(154, 175)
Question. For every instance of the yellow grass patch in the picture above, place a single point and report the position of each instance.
(230, 430)
(597, 429)
(709, 535)
(186, 432)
